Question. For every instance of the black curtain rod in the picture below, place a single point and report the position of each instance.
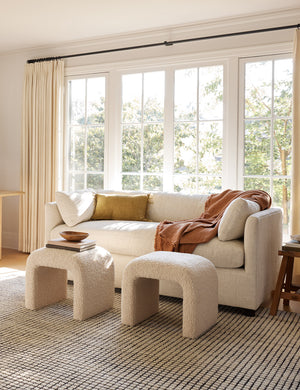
(165, 43)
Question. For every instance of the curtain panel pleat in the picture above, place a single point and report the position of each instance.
(42, 109)
(295, 196)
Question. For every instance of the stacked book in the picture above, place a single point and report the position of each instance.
(78, 246)
(292, 245)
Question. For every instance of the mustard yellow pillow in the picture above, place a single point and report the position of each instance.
(121, 207)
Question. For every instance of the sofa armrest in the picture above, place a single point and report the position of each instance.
(262, 240)
(52, 218)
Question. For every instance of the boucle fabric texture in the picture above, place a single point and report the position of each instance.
(136, 238)
(233, 222)
(133, 238)
(174, 206)
(75, 207)
(197, 277)
(92, 271)
(184, 236)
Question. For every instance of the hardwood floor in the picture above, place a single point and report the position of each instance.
(14, 260)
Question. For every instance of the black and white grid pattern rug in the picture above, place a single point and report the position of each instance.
(47, 349)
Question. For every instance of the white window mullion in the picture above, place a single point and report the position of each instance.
(272, 131)
(241, 124)
(65, 139)
(142, 135)
(169, 130)
(113, 133)
(85, 136)
(231, 135)
(197, 133)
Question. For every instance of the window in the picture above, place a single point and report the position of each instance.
(196, 124)
(142, 131)
(267, 127)
(198, 129)
(85, 132)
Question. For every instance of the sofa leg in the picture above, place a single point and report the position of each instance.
(249, 312)
(239, 310)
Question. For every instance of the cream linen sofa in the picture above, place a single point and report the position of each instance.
(246, 267)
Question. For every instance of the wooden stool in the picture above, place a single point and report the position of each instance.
(284, 287)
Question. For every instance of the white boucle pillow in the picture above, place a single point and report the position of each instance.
(233, 221)
(75, 207)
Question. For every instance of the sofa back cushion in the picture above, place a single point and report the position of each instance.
(233, 221)
(175, 207)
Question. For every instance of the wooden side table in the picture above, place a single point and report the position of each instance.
(284, 288)
(4, 194)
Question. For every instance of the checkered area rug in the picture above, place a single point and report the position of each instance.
(47, 349)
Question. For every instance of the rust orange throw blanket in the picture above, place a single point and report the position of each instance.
(184, 236)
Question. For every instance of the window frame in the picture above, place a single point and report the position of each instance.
(197, 121)
(169, 114)
(142, 124)
(65, 144)
(241, 147)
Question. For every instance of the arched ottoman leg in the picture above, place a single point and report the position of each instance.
(140, 298)
(93, 288)
(44, 286)
(200, 303)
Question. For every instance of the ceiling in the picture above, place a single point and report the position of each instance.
(33, 23)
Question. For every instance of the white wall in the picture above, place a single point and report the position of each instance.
(11, 80)
(12, 69)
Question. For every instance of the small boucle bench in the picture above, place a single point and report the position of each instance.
(197, 277)
(93, 272)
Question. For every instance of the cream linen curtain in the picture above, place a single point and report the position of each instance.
(295, 198)
(42, 112)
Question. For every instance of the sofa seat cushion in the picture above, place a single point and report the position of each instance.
(223, 254)
(136, 238)
(133, 238)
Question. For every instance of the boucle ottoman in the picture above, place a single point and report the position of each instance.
(92, 271)
(197, 277)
